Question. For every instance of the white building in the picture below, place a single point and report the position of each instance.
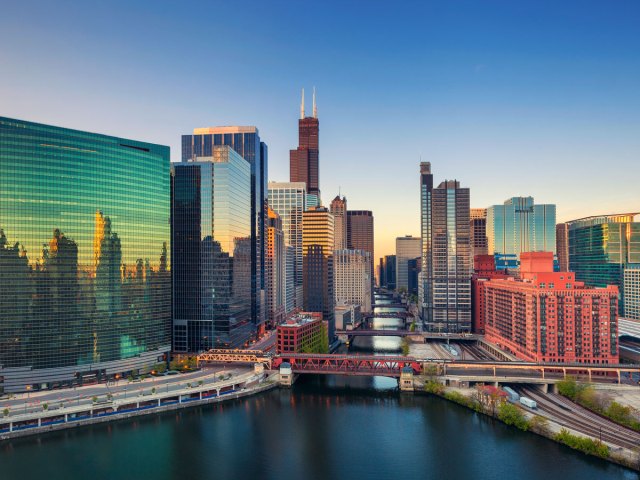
(407, 248)
(632, 291)
(352, 278)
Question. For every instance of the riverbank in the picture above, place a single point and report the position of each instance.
(536, 423)
(153, 402)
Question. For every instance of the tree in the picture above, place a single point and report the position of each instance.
(512, 415)
(539, 424)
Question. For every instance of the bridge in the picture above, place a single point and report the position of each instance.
(360, 365)
(221, 355)
(403, 315)
(458, 337)
(389, 305)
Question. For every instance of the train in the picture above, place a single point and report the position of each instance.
(527, 402)
(512, 395)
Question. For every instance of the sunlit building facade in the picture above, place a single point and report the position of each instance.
(212, 252)
(407, 248)
(276, 263)
(338, 209)
(352, 278)
(84, 256)
(632, 291)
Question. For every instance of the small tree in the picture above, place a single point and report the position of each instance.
(153, 391)
(5, 412)
(94, 399)
(512, 415)
(540, 425)
(45, 406)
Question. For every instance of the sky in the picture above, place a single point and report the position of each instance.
(528, 98)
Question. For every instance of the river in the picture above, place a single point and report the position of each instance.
(324, 428)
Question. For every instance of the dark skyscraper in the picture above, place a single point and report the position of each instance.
(360, 234)
(304, 161)
(246, 142)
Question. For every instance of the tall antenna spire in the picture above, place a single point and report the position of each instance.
(302, 106)
(315, 109)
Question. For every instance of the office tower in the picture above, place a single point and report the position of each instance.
(84, 256)
(276, 265)
(632, 291)
(304, 161)
(601, 247)
(414, 267)
(446, 254)
(290, 276)
(520, 226)
(246, 142)
(390, 273)
(317, 247)
(212, 251)
(479, 242)
(407, 248)
(360, 234)
(289, 201)
(352, 278)
(550, 316)
(338, 209)
(382, 273)
(562, 246)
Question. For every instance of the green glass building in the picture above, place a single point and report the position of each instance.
(601, 247)
(85, 283)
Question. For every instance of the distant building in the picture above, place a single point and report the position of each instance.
(601, 247)
(304, 162)
(289, 200)
(390, 272)
(352, 278)
(360, 235)
(632, 291)
(414, 266)
(276, 269)
(212, 251)
(318, 264)
(478, 226)
(302, 332)
(407, 248)
(519, 226)
(347, 316)
(562, 246)
(445, 291)
(338, 209)
(550, 317)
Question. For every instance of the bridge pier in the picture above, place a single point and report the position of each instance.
(406, 380)
(287, 377)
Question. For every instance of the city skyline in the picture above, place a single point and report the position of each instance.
(456, 93)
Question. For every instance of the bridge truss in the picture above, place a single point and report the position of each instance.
(364, 365)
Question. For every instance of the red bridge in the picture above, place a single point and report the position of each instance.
(364, 365)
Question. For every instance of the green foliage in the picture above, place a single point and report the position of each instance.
(512, 415)
(160, 367)
(431, 371)
(94, 399)
(539, 425)
(5, 412)
(184, 363)
(405, 346)
(568, 388)
(412, 327)
(463, 400)
(45, 406)
(433, 387)
(583, 444)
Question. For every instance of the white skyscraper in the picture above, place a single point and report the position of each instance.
(352, 278)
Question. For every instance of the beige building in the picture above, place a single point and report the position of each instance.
(352, 278)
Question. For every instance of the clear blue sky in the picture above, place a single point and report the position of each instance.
(536, 98)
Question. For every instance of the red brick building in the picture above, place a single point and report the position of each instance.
(302, 332)
(484, 268)
(547, 316)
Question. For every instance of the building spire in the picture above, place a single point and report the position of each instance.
(302, 106)
(315, 109)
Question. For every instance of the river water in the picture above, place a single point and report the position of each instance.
(326, 427)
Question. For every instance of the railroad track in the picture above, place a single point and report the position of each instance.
(568, 414)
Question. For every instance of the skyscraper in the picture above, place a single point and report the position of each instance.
(407, 248)
(446, 254)
(84, 264)
(289, 201)
(631, 289)
(562, 246)
(304, 161)
(338, 209)
(246, 142)
(276, 265)
(479, 243)
(317, 241)
(390, 274)
(520, 226)
(360, 234)
(601, 247)
(352, 278)
(212, 251)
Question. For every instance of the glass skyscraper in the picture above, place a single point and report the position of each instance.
(212, 253)
(520, 226)
(601, 247)
(246, 142)
(84, 255)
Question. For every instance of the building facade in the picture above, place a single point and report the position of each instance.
(289, 200)
(352, 278)
(479, 242)
(484, 269)
(414, 268)
(390, 271)
(246, 142)
(407, 248)
(304, 162)
(360, 235)
(302, 332)
(318, 264)
(276, 269)
(632, 291)
(338, 209)
(212, 252)
(84, 256)
(550, 317)
(601, 247)
(519, 226)
(445, 293)
(562, 246)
